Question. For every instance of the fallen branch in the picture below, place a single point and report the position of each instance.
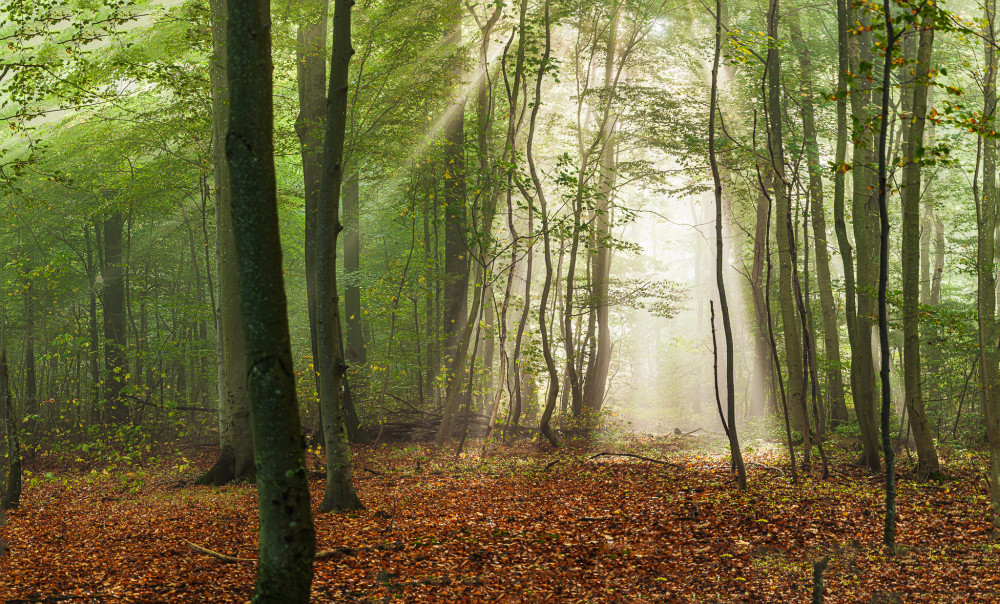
(765, 467)
(649, 459)
(217, 555)
(336, 552)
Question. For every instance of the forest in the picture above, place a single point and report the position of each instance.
(499, 301)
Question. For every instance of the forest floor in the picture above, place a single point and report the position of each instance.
(522, 524)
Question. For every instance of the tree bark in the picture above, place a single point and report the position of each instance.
(340, 493)
(235, 434)
(113, 302)
(597, 378)
(793, 345)
(734, 442)
(927, 460)
(310, 124)
(287, 538)
(12, 491)
(865, 214)
(987, 220)
(828, 308)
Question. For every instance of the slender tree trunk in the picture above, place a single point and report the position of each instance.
(113, 301)
(12, 492)
(456, 248)
(93, 353)
(889, 536)
(340, 493)
(597, 379)
(30, 377)
(357, 350)
(550, 364)
(786, 300)
(734, 442)
(911, 248)
(987, 220)
(831, 335)
(310, 124)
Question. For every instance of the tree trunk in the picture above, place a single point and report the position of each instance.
(12, 493)
(793, 345)
(987, 220)
(553, 394)
(310, 124)
(889, 534)
(113, 302)
(828, 308)
(340, 493)
(287, 538)
(456, 248)
(865, 214)
(734, 443)
(30, 377)
(911, 251)
(235, 434)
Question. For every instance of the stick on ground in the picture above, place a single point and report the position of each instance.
(649, 459)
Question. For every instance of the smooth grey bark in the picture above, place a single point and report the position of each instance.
(865, 226)
(236, 461)
(94, 352)
(927, 459)
(763, 369)
(287, 538)
(113, 303)
(340, 493)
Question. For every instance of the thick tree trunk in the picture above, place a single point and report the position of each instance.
(287, 538)
(911, 251)
(235, 435)
(865, 214)
(340, 493)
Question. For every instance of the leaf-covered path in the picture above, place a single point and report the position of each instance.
(513, 528)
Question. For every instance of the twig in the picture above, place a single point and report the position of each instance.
(649, 459)
(217, 555)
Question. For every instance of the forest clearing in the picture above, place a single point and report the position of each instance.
(519, 525)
